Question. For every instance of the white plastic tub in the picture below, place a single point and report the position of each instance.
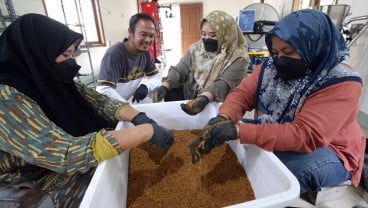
(273, 184)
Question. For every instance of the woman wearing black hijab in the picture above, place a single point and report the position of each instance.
(52, 129)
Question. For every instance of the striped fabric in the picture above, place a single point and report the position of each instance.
(34, 148)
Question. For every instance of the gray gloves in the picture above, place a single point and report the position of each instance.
(192, 107)
(159, 95)
(218, 130)
(161, 137)
(142, 118)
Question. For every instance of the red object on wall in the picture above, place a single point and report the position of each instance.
(151, 8)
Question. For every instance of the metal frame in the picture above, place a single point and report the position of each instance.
(5, 20)
(86, 46)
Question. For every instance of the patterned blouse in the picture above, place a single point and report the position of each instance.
(33, 148)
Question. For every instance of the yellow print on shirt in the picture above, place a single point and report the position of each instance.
(135, 73)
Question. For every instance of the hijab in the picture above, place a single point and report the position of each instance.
(207, 66)
(28, 49)
(321, 46)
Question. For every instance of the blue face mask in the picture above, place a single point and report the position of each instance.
(210, 45)
(290, 68)
(66, 70)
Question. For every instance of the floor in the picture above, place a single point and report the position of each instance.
(344, 197)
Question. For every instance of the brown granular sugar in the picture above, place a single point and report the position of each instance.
(171, 180)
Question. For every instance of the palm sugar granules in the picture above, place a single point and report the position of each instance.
(171, 180)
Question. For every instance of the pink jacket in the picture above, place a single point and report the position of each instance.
(328, 118)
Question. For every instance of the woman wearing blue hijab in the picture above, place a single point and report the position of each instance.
(306, 102)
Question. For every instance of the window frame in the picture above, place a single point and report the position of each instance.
(97, 20)
(297, 4)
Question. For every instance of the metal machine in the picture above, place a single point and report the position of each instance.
(265, 17)
(355, 28)
(351, 29)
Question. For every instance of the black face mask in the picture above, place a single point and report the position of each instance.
(66, 70)
(290, 68)
(210, 45)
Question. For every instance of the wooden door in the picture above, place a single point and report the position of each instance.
(190, 16)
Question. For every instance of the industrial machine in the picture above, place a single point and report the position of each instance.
(351, 29)
(265, 17)
(354, 28)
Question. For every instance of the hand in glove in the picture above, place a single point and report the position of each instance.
(142, 118)
(140, 93)
(192, 107)
(161, 137)
(218, 130)
(159, 95)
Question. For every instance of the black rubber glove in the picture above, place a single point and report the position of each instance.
(192, 107)
(159, 95)
(142, 118)
(217, 119)
(161, 137)
(218, 130)
(140, 93)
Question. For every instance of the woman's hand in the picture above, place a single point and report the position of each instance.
(154, 134)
